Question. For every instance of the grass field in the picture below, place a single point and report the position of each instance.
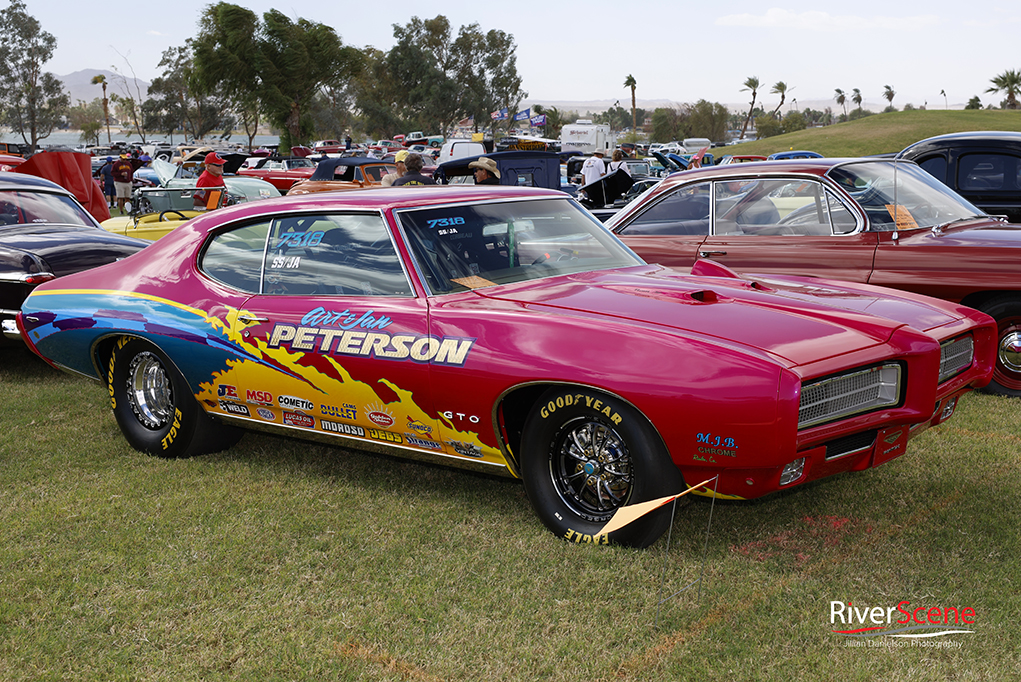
(880, 133)
(284, 560)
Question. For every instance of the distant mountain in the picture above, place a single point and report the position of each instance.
(79, 85)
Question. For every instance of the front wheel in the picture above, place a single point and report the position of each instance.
(584, 455)
(155, 408)
(1006, 310)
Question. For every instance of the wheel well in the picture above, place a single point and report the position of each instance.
(980, 298)
(516, 405)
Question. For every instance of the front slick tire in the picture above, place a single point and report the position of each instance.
(584, 455)
(155, 408)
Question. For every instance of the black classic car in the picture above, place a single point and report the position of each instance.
(984, 167)
(44, 234)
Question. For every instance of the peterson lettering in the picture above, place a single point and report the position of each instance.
(447, 350)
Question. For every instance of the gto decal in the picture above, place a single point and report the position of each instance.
(575, 536)
(329, 332)
(579, 399)
(294, 403)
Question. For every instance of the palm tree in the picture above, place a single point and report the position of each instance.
(752, 83)
(856, 97)
(841, 97)
(888, 94)
(1009, 83)
(779, 89)
(630, 82)
(101, 80)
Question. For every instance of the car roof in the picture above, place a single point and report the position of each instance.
(24, 181)
(964, 139)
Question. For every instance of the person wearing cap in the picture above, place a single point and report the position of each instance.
(106, 172)
(414, 163)
(486, 172)
(123, 172)
(399, 158)
(593, 168)
(212, 176)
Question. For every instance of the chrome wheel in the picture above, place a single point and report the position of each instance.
(591, 468)
(149, 391)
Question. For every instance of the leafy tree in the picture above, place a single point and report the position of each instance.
(178, 101)
(780, 88)
(1009, 83)
(794, 120)
(278, 62)
(768, 126)
(709, 119)
(555, 120)
(88, 118)
(974, 103)
(32, 102)
(751, 83)
(630, 82)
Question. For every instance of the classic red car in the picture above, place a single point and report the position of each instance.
(503, 329)
(863, 220)
(281, 171)
(346, 172)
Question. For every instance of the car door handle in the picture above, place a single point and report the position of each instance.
(248, 319)
(706, 254)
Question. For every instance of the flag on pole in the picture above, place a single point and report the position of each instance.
(500, 115)
(633, 512)
(523, 115)
(538, 121)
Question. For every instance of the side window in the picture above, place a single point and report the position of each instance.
(773, 207)
(682, 212)
(235, 257)
(982, 172)
(936, 166)
(333, 255)
(841, 218)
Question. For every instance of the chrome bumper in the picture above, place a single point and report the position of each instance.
(10, 327)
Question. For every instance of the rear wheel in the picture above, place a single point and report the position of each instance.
(1006, 310)
(584, 455)
(155, 408)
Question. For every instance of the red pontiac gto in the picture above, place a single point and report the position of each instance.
(863, 220)
(281, 171)
(505, 330)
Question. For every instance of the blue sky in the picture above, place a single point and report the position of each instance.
(581, 51)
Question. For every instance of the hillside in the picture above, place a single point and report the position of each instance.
(881, 133)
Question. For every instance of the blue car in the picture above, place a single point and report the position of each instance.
(785, 156)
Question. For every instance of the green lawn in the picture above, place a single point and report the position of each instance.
(880, 133)
(284, 560)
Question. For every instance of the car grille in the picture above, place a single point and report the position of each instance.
(844, 395)
(955, 357)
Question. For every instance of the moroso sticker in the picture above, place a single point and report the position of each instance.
(234, 408)
(337, 427)
(266, 414)
(419, 428)
(258, 397)
(293, 403)
(465, 449)
(412, 439)
(299, 419)
(227, 391)
(333, 333)
(385, 435)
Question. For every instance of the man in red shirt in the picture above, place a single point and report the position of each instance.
(123, 171)
(212, 176)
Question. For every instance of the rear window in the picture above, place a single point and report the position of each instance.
(19, 207)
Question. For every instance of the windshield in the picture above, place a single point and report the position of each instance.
(901, 196)
(482, 245)
(19, 207)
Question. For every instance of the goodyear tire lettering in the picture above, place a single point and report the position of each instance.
(596, 404)
(585, 538)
